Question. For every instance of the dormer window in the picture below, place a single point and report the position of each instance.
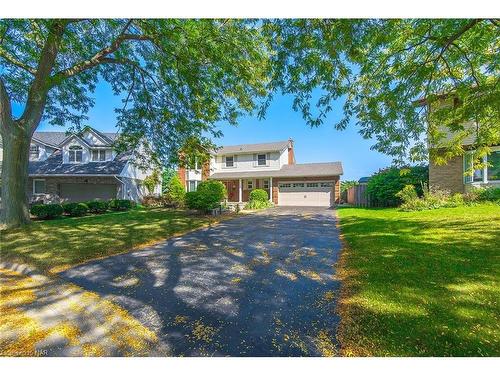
(98, 155)
(75, 154)
(34, 152)
(229, 161)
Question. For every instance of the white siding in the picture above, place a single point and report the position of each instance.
(247, 163)
(76, 142)
(91, 139)
(284, 157)
(193, 174)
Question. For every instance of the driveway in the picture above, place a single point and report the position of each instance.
(262, 284)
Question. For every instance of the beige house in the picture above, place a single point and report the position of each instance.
(451, 176)
(272, 167)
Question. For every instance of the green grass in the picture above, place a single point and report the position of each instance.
(54, 245)
(421, 283)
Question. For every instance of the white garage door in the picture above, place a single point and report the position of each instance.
(306, 194)
(87, 192)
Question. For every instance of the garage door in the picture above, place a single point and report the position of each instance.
(306, 194)
(87, 192)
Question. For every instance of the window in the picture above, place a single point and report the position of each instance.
(326, 184)
(261, 159)
(285, 185)
(75, 154)
(98, 155)
(265, 184)
(193, 163)
(38, 187)
(34, 151)
(494, 169)
(249, 184)
(298, 185)
(312, 184)
(192, 185)
(490, 173)
(229, 161)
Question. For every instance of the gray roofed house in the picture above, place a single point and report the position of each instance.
(83, 166)
(255, 147)
(269, 166)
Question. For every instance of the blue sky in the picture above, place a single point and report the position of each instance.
(320, 144)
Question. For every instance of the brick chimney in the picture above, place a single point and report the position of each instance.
(291, 155)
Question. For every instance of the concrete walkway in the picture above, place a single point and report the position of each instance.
(259, 285)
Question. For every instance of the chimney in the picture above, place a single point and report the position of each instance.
(291, 155)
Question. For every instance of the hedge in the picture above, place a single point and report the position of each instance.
(97, 207)
(47, 211)
(120, 204)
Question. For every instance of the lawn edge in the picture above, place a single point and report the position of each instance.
(347, 289)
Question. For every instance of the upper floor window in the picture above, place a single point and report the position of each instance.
(34, 152)
(229, 161)
(98, 155)
(192, 185)
(75, 154)
(261, 159)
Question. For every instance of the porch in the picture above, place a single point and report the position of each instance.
(238, 190)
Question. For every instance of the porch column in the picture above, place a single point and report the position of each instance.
(240, 191)
(270, 189)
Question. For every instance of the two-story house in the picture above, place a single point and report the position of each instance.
(78, 167)
(453, 176)
(272, 167)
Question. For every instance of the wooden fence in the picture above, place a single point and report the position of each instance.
(358, 196)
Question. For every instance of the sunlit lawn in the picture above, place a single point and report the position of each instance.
(53, 245)
(421, 283)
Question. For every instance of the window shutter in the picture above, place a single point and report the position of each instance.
(235, 159)
(223, 161)
(254, 160)
(268, 159)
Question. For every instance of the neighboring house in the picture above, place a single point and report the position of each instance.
(272, 167)
(79, 167)
(452, 176)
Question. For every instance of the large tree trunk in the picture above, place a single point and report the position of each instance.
(16, 142)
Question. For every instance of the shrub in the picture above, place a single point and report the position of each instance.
(151, 181)
(258, 195)
(191, 199)
(429, 200)
(175, 193)
(120, 204)
(76, 209)
(68, 207)
(208, 196)
(97, 207)
(154, 201)
(489, 194)
(384, 185)
(258, 199)
(47, 211)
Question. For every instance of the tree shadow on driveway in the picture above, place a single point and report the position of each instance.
(258, 285)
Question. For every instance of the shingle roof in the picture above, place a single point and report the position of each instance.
(288, 170)
(55, 138)
(53, 165)
(255, 147)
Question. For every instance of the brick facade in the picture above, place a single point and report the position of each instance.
(181, 172)
(447, 177)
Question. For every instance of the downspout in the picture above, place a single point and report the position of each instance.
(123, 186)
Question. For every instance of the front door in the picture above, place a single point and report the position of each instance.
(232, 190)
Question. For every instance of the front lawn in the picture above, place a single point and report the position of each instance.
(54, 245)
(420, 283)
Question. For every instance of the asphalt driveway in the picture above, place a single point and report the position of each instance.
(258, 285)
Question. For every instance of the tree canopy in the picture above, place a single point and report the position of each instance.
(392, 76)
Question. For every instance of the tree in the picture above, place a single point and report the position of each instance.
(392, 77)
(345, 185)
(175, 191)
(177, 79)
